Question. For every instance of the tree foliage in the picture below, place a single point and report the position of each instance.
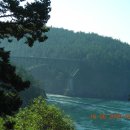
(24, 21)
(10, 85)
(18, 20)
(39, 116)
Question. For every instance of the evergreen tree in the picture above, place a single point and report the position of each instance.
(18, 20)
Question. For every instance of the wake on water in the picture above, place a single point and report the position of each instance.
(94, 114)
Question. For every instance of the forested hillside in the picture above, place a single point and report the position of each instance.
(67, 44)
(103, 64)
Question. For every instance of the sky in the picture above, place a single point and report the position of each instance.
(105, 17)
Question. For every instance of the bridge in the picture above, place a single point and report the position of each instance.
(37, 61)
(40, 66)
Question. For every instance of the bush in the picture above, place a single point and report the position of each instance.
(1, 124)
(41, 116)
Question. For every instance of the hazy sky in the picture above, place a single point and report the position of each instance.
(105, 17)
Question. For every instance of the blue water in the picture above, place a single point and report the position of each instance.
(94, 114)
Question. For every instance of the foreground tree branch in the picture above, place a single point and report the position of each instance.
(29, 22)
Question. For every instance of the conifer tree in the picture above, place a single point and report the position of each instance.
(18, 19)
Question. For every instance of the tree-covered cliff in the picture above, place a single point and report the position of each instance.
(103, 63)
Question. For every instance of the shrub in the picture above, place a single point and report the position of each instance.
(41, 116)
(1, 124)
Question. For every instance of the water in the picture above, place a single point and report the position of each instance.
(94, 114)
